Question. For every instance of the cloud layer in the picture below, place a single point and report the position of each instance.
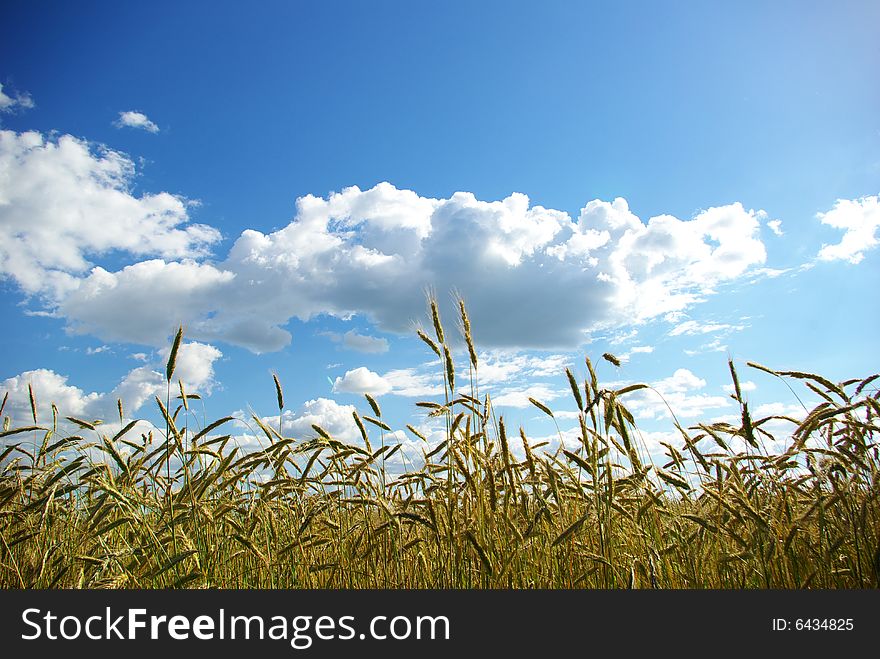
(375, 252)
(532, 276)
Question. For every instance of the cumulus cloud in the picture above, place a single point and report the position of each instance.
(329, 261)
(194, 366)
(859, 219)
(414, 383)
(682, 392)
(134, 119)
(338, 421)
(776, 227)
(748, 385)
(49, 387)
(102, 304)
(361, 381)
(137, 388)
(62, 203)
(333, 417)
(14, 101)
(371, 252)
(654, 440)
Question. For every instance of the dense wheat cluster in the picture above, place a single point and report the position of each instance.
(187, 508)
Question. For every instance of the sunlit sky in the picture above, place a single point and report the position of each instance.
(674, 183)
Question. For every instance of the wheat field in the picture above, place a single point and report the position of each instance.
(488, 507)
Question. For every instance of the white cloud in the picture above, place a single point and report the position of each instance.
(653, 439)
(134, 119)
(520, 397)
(505, 366)
(697, 328)
(547, 365)
(859, 219)
(48, 387)
(411, 383)
(361, 381)
(336, 419)
(363, 343)
(691, 327)
(768, 273)
(624, 336)
(747, 385)
(777, 408)
(371, 252)
(713, 346)
(680, 381)
(776, 227)
(62, 204)
(98, 350)
(570, 440)
(501, 367)
(102, 304)
(194, 366)
(139, 387)
(15, 101)
(779, 429)
(681, 391)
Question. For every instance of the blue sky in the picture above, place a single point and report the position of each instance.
(640, 178)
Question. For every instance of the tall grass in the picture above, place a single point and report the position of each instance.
(486, 508)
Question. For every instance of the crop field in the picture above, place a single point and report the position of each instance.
(488, 507)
